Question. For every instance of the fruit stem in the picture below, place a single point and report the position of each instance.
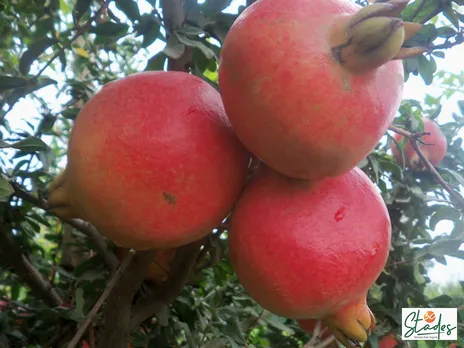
(58, 198)
(373, 36)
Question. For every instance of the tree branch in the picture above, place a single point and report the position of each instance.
(108, 257)
(11, 253)
(171, 288)
(117, 311)
(414, 139)
(109, 288)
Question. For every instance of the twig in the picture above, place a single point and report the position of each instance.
(170, 289)
(416, 12)
(108, 257)
(448, 44)
(109, 287)
(414, 139)
(12, 254)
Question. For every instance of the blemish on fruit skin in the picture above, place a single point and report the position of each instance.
(170, 198)
(340, 214)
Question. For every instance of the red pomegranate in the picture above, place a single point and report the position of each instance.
(310, 87)
(152, 162)
(311, 250)
(434, 151)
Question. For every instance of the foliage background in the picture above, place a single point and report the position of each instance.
(55, 54)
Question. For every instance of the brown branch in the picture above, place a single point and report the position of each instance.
(174, 16)
(108, 257)
(448, 44)
(109, 287)
(171, 288)
(11, 253)
(414, 139)
(117, 312)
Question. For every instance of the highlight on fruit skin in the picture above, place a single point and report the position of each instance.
(330, 85)
(153, 162)
(312, 250)
(434, 146)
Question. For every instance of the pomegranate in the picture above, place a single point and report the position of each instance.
(310, 87)
(152, 162)
(434, 149)
(388, 341)
(311, 250)
(159, 269)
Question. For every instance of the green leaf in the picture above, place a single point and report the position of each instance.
(130, 9)
(443, 247)
(156, 62)
(420, 279)
(215, 6)
(458, 177)
(81, 7)
(80, 301)
(443, 212)
(439, 54)
(451, 15)
(6, 190)
(173, 48)
(110, 29)
(33, 52)
(208, 52)
(441, 259)
(446, 32)
(427, 68)
(31, 144)
(33, 86)
(277, 322)
(10, 82)
(151, 34)
(70, 113)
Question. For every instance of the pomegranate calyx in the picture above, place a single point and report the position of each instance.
(351, 324)
(372, 43)
(390, 8)
(58, 198)
(375, 35)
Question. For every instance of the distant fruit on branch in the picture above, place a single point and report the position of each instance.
(310, 87)
(434, 147)
(311, 250)
(152, 162)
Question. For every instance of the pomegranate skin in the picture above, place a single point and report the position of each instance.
(303, 250)
(153, 162)
(290, 102)
(435, 152)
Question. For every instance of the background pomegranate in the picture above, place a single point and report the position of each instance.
(298, 108)
(152, 161)
(435, 152)
(311, 250)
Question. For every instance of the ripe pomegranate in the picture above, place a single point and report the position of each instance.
(310, 87)
(311, 250)
(435, 152)
(152, 162)
(159, 269)
(388, 341)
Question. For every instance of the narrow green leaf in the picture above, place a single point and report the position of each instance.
(5, 187)
(33, 52)
(130, 9)
(70, 113)
(443, 247)
(80, 301)
(81, 7)
(443, 212)
(10, 82)
(173, 48)
(451, 15)
(208, 52)
(156, 62)
(110, 29)
(278, 324)
(31, 144)
(458, 177)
